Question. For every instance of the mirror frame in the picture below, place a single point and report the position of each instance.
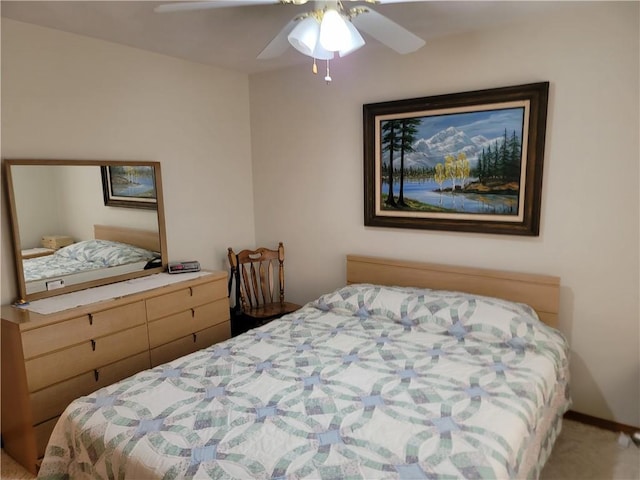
(24, 297)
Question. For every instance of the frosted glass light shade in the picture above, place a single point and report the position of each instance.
(334, 32)
(304, 38)
(355, 40)
(322, 54)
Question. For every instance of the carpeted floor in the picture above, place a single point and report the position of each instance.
(581, 452)
(586, 452)
(11, 470)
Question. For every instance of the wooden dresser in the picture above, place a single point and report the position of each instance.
(49, 360)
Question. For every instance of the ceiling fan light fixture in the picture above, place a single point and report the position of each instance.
(304, 37)
(334, 32)
(322, 54)
(355, 41)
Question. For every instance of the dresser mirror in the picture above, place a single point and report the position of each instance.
(80, 224)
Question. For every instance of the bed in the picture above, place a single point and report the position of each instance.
(389, 376)
(114, 250)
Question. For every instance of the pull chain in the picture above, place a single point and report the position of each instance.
(328, 77)
(314, 69)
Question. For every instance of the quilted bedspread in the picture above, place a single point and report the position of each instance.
(365, 382)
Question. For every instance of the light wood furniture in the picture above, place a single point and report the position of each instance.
(542, 292)
(36, 252)
(49, 360)
(56, 242)
(259, 280)
(187, 320)
(146, 239)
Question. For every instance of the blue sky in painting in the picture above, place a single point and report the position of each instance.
(489, 123)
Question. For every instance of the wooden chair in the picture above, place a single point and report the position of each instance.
(259, 287)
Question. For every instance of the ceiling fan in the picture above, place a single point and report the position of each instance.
(326, 29)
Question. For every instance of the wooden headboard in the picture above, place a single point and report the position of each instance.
(542, 292)
(147, 239)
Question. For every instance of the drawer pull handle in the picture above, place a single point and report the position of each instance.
(193, 313)
(93, 345)
(96, 375)
(91, 319)
(191, 291)
(194, 337)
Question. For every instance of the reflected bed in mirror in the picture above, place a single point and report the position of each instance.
(114, 251)
(66, 235)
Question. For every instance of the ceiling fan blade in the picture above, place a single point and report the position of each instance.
(388, 32)
(204, 5)
(279, 44)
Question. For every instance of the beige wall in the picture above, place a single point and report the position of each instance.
(68, 200)
(307, 164)
(67, 96)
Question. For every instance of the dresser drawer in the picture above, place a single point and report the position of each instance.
(51, 401)
(161, 306)
(80, 329)
(46, 370)
(190, 343)
(184, 323)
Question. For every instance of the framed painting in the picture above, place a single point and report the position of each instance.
(468, 161)
(130, 186)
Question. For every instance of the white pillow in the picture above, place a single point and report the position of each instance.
(105, 252)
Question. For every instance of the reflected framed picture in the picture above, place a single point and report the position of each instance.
(469, 162)
(129, 186)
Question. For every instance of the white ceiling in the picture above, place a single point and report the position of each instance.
(233, 37)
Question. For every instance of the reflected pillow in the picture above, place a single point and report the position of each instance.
(105, 252)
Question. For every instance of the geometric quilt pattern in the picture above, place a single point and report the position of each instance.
(365, 382)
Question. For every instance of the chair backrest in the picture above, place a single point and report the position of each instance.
(254, 272)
